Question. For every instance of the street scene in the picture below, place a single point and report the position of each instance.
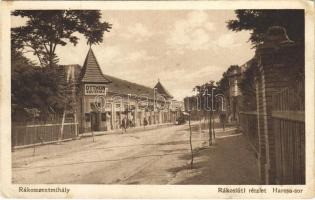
(157, 156)
(161, 97)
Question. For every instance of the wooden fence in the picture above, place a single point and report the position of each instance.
(28, 135)
(289, 128)
(248, 124)
(279, 124)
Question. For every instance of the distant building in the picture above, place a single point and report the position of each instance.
(103, 101)
(177, 106)
(234, 75)
(161, 90)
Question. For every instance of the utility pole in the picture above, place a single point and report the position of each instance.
(34, 115)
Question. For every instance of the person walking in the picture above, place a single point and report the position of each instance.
(145, 122)
(124, 124)
(223, 119)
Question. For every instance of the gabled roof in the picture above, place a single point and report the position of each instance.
(161, 90)
(124, 87)
(91, 71)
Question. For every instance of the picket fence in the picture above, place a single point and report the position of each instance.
(28, 135)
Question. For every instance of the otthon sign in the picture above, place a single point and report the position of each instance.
(95, 89)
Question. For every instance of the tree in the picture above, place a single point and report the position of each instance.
(22, 84)
(248, 88)
(258, 22)
(224, 84)
(45, 30)
(44, 87)
(35, 87)
(206, 103)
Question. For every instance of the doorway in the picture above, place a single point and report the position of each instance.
(95, 121)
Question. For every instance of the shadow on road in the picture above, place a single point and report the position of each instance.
(230, 162)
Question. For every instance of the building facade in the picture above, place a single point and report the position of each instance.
(104, 101)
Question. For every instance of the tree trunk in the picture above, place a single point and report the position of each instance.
(190, 142)
(200, 135)
(210, 129)
(213, 132)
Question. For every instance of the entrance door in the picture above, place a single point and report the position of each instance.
(95, 121)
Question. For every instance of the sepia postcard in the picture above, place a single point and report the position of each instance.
(157, 99)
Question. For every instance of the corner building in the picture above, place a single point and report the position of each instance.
(104, 101)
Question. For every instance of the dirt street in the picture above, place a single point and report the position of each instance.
(159, 156)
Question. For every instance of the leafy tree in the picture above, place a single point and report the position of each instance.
(258, 22)
(45, 30)
(204, 93)
(43, 87)
(22, 84)
(224, 84)
(35, 87)
(247, 87)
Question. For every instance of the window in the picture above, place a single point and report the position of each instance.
(132, 107)
(108, 106)
(103, 117)
(69, 117)
(87, 117)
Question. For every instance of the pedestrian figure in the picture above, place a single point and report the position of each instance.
(145, 122)
(223, 119)
(124, 124)
(130, 123)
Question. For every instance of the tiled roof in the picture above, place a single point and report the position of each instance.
(161, 90)
(91, 71)
(124, 87)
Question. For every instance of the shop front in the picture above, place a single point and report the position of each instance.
(105, 101)
(96, 112)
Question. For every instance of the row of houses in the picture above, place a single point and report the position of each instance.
(96, 102)
(104, 101)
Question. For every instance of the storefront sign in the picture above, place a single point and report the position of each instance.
(95, 89)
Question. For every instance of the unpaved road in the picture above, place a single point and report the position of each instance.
(111, 159)
(159, 156)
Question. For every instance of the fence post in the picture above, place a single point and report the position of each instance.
(75, 125)
(261, 139)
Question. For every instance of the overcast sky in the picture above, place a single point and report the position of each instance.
(181, 48)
